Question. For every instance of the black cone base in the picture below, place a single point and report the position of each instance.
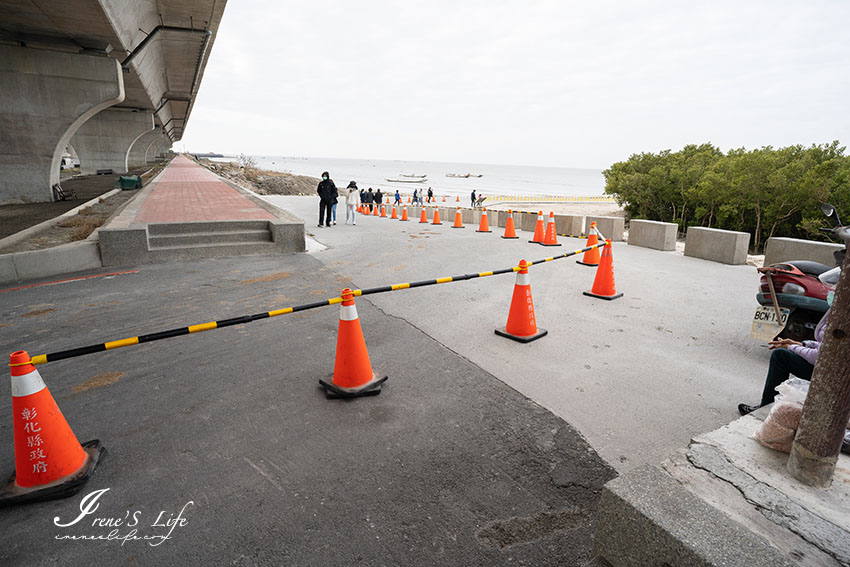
(540, 333)
(586, 264)
(511, 237)
(334, 392)
(62, 488)
(542, 244)
(608, 297)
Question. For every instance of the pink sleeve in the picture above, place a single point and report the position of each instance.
(809, 354)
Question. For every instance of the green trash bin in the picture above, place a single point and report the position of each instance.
(129, 182)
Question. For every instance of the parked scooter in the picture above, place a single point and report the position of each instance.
(792, 294)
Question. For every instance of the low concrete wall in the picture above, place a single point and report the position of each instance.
(653, 234)
(647, 518)
(529, 221)
(785, 249)
(726, 246)
(571, 225)
(72, 257)
(610, 227)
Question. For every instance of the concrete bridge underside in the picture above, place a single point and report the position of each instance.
(115, 80)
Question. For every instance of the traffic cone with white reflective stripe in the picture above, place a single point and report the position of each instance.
(522, 324)
(436, 219)
(424, 217)
(551, 238)
(458, 219)
(603, 282)
(591, 257)
(353, 375)
(510, 232)
(404, 214)
(539, 229)
(395, 213)
(49, 461)
(483, 226)
(375, 210)
(383, 212)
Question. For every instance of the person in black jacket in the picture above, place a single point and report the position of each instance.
(327, 195)
(379, 198)
(370, 200)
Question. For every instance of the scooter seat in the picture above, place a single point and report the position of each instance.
(809, 268)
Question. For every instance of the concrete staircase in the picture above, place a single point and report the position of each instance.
(177, 241)
(174, 242)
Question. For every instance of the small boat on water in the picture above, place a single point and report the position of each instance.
(463, 175)
(413, 175)
(406, 180)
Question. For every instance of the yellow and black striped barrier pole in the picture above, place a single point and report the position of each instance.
(141, 339)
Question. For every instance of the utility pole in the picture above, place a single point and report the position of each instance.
(814, 452)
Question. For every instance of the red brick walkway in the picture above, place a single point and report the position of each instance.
(188, 192)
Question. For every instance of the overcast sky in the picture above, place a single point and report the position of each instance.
(556, 83)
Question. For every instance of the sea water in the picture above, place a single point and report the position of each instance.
(495, 179)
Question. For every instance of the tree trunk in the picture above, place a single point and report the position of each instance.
(827, 408)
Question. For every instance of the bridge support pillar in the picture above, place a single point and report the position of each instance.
(138, 151)
(105, 140)
(45, 96)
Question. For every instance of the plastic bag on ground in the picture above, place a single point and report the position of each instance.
(779, 427)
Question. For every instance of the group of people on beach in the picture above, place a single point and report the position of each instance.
(329, 198)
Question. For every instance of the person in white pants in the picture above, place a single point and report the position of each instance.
(351, 196)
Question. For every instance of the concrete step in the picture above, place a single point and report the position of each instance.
(198, 251)
(175, 228)
(208, 238)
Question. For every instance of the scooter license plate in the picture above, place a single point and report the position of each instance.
(765, 325)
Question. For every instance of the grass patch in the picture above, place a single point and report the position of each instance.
(83, 223)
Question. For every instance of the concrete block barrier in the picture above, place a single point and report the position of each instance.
(785, 249)
(610, 227)
(725, 246)
(569, 224)
(64, 259)
(653, 234)
(529, 221)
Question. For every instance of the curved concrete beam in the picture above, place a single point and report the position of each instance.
(104, 141)
(45, 97)
(139, 149)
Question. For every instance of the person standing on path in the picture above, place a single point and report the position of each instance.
(379, 198)
(415, 196)
(351, 203)
(327, 195)
(473, 198)
(397, 197)
(430, 195)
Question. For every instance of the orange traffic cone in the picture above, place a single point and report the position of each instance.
(49, 461)
(395, 213)
(483, 226)
(444, 198)
(551, 236)
(510, 232)
(375, 210)
(404, 214)
(383, 212)
(359, 209)
(408, 199)
(353, 375)
(603, 283)
(539, 229)
(457, 199)
(458, 219)
(436, 216)
(591, 257)
(522, 325)
(424, 217)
